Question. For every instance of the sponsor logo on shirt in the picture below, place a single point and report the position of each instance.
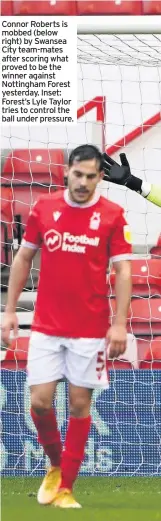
(95, 221)
(69, 242)
(78, 243)
(53, 240)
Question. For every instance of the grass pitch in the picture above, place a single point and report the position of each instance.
(103, 499)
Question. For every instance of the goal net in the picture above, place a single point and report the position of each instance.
(119, 104)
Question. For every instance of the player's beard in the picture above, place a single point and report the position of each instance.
(81, 196)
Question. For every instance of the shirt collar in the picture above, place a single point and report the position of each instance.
(93, 201)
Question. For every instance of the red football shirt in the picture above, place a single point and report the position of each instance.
(77, 243)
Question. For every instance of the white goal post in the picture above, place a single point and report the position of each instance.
(119, 25)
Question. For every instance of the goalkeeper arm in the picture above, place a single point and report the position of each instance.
(121, 174)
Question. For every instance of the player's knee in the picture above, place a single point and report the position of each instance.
(79, 408)
(40, 405)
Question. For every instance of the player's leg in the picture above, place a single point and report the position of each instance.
(77, 433)
(76, 438)
(45, 368)
(44, 418)
(84, 374)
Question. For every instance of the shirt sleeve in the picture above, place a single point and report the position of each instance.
(120, 247)
(155, 195)
(32, 235)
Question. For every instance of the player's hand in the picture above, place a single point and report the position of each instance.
(10, 322)
(115, 173)
(117, 340)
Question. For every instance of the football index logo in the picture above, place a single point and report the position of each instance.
(95, 221)
(52, 239)
(67, 242)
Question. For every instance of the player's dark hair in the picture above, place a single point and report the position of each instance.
(85, 153)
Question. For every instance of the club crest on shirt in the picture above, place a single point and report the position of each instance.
(95, 221)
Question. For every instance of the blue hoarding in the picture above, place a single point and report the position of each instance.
(125, 437)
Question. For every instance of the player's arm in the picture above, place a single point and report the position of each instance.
(123, 288)
(19, 273)
(121, 174)
(120, 256)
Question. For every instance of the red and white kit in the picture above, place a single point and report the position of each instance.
(71, 315)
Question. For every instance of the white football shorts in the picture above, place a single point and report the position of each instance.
(81, 360)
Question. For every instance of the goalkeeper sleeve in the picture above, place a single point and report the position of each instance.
(152, 193)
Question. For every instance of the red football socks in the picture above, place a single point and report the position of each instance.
(48, 435)
(73, 453)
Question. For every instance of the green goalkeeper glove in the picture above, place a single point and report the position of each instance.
(120, 174)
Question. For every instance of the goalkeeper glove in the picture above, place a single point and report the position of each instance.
(120, 174)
